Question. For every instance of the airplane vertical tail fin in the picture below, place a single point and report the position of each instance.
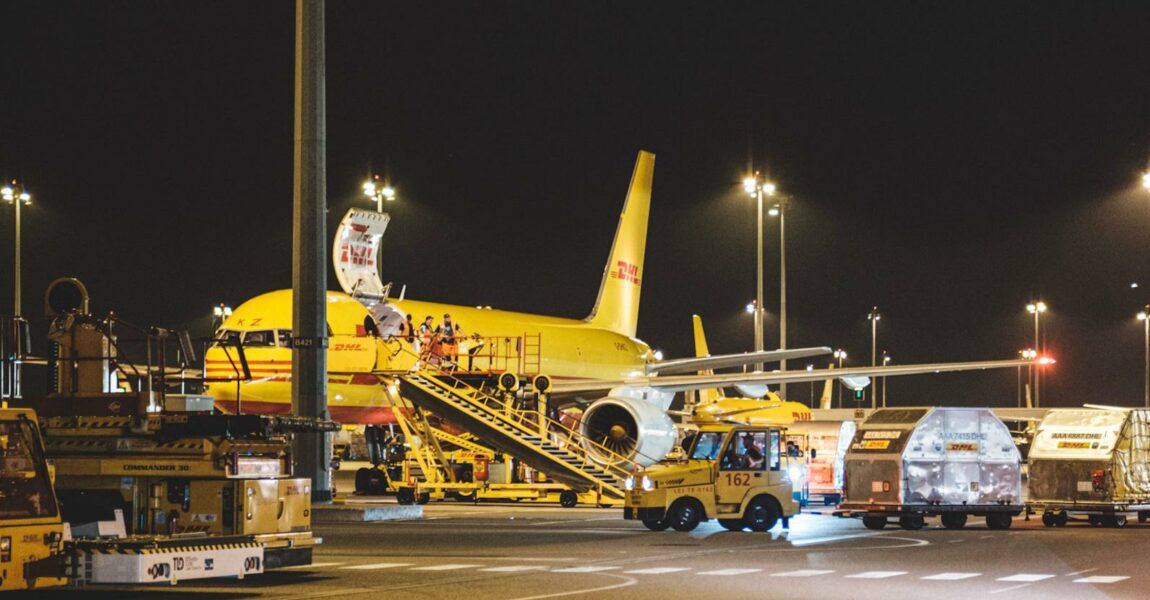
(706, 396)
(617, 307)
(828, 388)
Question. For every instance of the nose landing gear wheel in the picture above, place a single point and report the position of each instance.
(911, 522)
(874, 522)
(954, 520)
(685, 515)
(568, 499)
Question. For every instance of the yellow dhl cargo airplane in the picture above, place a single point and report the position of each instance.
(596, 362)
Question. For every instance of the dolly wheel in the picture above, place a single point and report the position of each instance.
(568, 499)
(999, 520)
(1114, 520)
(954, 520)
(656, 524)
(1048, 519)
(911, 522)
(874, 522)
(1143, 516)
(733, 524)
(1061, 519)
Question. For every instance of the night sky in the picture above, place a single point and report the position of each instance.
(948, 164)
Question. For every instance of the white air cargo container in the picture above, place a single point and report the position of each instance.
(911, 463)
(828, 442)
(1094, 462)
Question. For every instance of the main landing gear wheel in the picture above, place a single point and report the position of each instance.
(999, 520)
(954, 520)
(568, 499)
(911, 522)
(762, 514)
(874, 522)
(685, 515)
(733, 524)
(656, 525)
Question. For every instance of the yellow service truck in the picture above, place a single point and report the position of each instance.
(734, 473)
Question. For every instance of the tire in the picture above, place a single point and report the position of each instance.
(999, 520)
(656, 525)
(955, 520)
(1095, 520)
(405, 496)
(762, 513)
(874, 522)
(911, 522)
(361, 476)
(468, 496)
(423, 498)
(1048, 519)
(685, 514)
(1143, 516)
(568, 499)
(1061, 519)
(1113, 520)
(733, 524)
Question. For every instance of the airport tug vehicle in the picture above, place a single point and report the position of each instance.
(734, 473)
(911, 463)
(1092, 462)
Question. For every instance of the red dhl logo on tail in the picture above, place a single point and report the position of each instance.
(626, 271)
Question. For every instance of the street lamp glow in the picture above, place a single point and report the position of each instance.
(388, 193)
(774, 211)
(1146, 180)
(378, 190)
(750, 308)
(1142, 316)
(1038, 307)
(749, 185)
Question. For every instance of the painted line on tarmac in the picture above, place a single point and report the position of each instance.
(728, 572)
(877, 574)
(832, 538)
(586, 569)
(515, 569)
(950, 576)
(803, 573)
(447, 567)
(657, 570)
(1102, 579)
(1081, 572)
(629, 581)
(318, 565)
(374, 566)
(1025, 577)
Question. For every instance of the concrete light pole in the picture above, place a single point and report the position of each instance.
(757, 188)
(1036, 309)
(777, 211)
(1144, 316)
(873, 317)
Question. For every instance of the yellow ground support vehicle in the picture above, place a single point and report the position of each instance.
(31, 531)
(734, 473)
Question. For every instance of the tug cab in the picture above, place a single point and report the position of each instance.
(737, 474)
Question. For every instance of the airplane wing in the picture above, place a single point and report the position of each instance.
(680, 383)
(722, 361)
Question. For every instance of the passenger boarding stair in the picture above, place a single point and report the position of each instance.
(544, 444)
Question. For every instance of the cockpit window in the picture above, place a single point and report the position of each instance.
(226, 337)
(260, 338)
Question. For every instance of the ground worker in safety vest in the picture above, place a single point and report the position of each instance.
(426, 333)
(448, 334)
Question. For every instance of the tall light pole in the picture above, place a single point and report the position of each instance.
(1144, 316)
(873, 317)
(756, 187)
(1036, 309)
(777, 211)
(376, 189)
(15, 194)
(841, 355)
(885, 361)
(1028, 354)
(220, 313)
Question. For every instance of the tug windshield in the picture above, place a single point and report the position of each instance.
(25, 491)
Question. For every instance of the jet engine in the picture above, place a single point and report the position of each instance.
(631, 427)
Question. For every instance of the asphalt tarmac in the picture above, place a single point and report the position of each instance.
(531, 552)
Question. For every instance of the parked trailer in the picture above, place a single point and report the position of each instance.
(1093, 462)
(829, 442)
(911, 463)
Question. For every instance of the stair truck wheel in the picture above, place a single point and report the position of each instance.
(874, 522)
(405, 496)
(361, 476)
(423, 498)
(568, 499)
(762, 513)
(733, 524)
(656, 524)
(685, 514)
(954, 520)
(999, 520)
(911, 522)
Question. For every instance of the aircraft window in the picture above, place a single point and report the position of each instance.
(284, 337)
(707, 445)
(25, 490)
(226, 337)
(745, 452)
(260, 338)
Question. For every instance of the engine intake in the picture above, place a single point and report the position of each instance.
(635, 429)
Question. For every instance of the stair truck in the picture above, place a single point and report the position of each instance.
(737, 474)
(911, 463)
(1092, 462)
